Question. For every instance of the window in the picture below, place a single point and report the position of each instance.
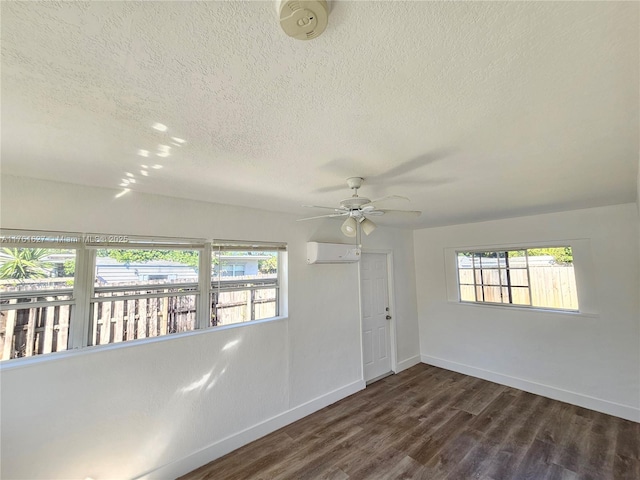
(67, 291)
(36, 300)
(140, 293)
(537, 277)
(244, 283)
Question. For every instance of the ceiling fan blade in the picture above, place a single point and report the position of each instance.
(413, 213)
(387, 197)
(337, 209)
(323, 216)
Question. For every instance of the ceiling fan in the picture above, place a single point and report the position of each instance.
(357, 210)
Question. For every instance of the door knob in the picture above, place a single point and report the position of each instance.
(388, 317)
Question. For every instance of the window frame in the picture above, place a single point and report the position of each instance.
(94, 242)
(507, 268)
(584, 271)
(83, 294)
(219, 246)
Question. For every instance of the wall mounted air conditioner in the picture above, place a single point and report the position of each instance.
(332, 253)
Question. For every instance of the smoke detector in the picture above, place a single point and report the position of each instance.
(303, 19)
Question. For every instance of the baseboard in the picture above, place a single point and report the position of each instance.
(408, 363)
(611, 408)
(226, 445)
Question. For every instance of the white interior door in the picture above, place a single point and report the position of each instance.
(376, 317)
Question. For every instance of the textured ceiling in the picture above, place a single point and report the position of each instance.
(473, 110)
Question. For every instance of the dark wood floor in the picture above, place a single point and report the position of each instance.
(430, 423)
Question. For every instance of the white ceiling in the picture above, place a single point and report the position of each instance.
(473, 110)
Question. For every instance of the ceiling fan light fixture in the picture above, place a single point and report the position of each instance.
(367, 226)
(349, 227)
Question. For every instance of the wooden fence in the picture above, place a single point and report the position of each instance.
(244, 306)
(552, 286)
(31, 331)
(119, 320)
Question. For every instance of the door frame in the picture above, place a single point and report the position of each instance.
(392, 309)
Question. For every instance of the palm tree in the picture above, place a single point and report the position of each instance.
(23, 263)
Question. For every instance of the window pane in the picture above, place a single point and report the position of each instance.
(233, 307)
(245, 264)
(466, 276)
(516, 259)
(551, 256)
(28, 276)
(467, 293)
(244, 286)
(265, 303)
(142, 293)
(145, 267)
(27, 269)
(244, 305)
(491, 277)
(465, 260)
(520, 296)
(116, 318)
(554, 286)
(492, 294)
(518, 277)
(488, 259)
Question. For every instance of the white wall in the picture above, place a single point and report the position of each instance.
(589, 360)
(173, 404)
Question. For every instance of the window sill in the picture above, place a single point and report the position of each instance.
(15, 363)
(537, 310)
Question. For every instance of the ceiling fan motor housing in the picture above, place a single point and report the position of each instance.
(303, 19)
(354, 203)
